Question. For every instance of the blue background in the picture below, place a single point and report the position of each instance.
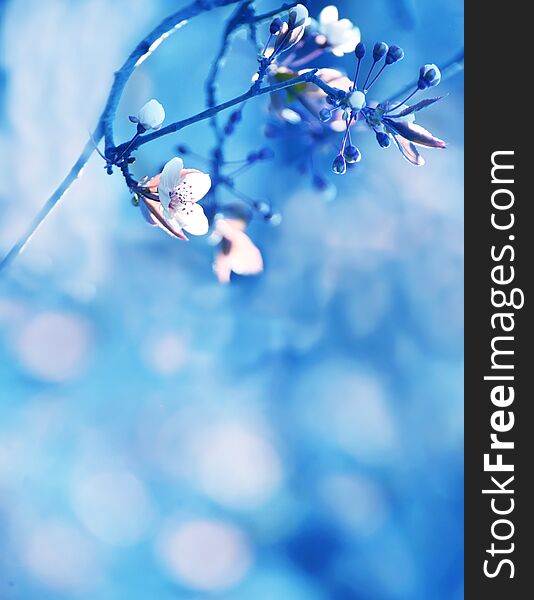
(295, 436)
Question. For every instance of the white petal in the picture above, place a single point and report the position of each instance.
(301, 14)
(245, 257)
(351, 42)
(222, 268)
(344, 24)
(195, 221)
(329, 14)
(171, 175)
(197, 185)
(174, 223)
(164, 198)
(336, 35)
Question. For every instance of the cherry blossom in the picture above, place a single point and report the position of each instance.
(179, 191)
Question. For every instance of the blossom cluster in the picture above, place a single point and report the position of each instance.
(319, 108)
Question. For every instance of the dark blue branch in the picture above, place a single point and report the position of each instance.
(308, 77)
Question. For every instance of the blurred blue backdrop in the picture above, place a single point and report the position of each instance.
(294, 436)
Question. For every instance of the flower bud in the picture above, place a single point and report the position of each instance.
(429, 76)
(379, 51)
(357, 100)
(360, 51)
(150, 116)
(339, 166)
(275, 27)
(352, 154)
(325, 115)
(298, 16)
(383, 139)
(394, 55)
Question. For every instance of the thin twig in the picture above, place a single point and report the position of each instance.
(70, 178)
(242, 14)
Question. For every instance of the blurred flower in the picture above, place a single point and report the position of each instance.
(179, 190)
(237, 253)
(339, 34)
(53, 346)
(61, 557)
(205, 554)
(234, 462)
(113, 505)
(150, 116)
(305, 102)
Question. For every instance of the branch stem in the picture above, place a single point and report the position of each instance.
(308, 77)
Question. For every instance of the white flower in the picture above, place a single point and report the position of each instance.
(150, 116)
(357, 100)
(341, 35)
(179, 191)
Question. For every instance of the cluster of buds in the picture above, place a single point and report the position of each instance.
(387, 126)
(285, 33)
(355, 101)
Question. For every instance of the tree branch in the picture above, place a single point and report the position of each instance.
(308, 77)
(104, 126)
